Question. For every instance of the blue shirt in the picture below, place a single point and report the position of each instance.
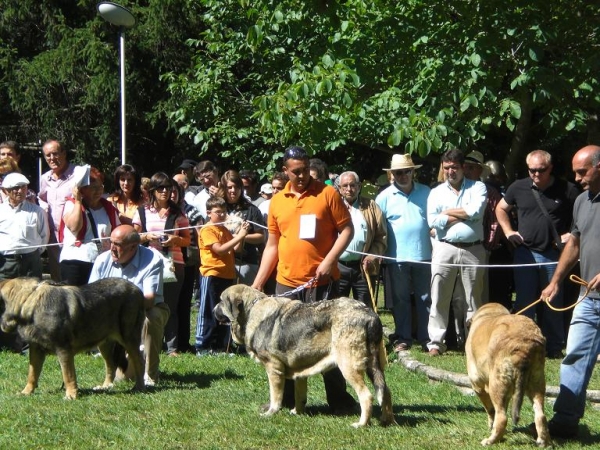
(357, 244)
(472, 197)
(408, 231)
(144, 270)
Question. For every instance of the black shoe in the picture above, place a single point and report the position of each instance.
(562, 430)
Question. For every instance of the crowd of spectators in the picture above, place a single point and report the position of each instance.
(305, 234)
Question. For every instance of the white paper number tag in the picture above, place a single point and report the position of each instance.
(308, 225)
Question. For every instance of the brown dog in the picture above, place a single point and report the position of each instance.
(65, 320)
(295, 340)
(506, 358)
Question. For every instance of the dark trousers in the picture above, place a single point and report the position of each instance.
(190, 273)
(353, 281)
(209, 333)
(74, 272)
(335, 384)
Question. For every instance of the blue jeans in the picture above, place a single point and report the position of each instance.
(406, 279)
(583, 346)
(529, 282)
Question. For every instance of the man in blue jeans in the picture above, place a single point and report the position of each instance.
(583, 343)
(535, 241)
(404, 206)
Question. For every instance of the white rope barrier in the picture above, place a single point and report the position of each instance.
(395, 260)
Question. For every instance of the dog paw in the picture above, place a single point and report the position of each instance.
(71, 395)
(269, 412)
(486, 442)
(103, 387)
(360, 424)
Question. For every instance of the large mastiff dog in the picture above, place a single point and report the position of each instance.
(296, 340)
(505, 359)
(65, 320)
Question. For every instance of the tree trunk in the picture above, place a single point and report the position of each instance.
(518, 148)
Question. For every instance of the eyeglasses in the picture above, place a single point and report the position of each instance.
(402, 172)
(539, 170)
(295, 153)
(164, 188)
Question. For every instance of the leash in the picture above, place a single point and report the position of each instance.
(308, 285)
(382, 350)
(575, 279)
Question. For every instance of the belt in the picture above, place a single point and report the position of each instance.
(462, 244)
(354, 263)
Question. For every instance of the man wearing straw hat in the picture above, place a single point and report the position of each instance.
(370, 236)
(404, 203)
(455, 211)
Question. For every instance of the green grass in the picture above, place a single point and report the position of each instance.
(213, 403)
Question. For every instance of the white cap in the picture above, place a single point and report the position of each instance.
(266, 188)
(13, 180)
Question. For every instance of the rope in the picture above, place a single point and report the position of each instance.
(575, 279)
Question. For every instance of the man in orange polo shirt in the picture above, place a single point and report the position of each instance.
(309, 228)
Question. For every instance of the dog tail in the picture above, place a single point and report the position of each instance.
(517, 399)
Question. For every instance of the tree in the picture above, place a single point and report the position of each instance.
(415, 75)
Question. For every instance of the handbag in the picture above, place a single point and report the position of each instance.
(557, 240)
(168, 267)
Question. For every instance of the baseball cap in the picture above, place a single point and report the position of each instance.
(13, 180)
(266, 188)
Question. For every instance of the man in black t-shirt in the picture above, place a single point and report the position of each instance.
(535, 241)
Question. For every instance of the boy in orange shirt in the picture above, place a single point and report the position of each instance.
(217, 272)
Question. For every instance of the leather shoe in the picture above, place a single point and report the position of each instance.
(434, 352)
(401, 347)
(561, 430)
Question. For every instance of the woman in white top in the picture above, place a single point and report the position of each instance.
(86, 224)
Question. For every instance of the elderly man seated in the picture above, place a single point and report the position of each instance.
(143, 267)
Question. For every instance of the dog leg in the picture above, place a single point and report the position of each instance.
(541, 424)
(276, 383)
(300, 397)
(106, 349)
(499, 391)
(356, 379)
(486, 401)
(135, 359)
(37, 357)
(67, 365)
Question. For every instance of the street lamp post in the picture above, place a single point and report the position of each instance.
(121, 17)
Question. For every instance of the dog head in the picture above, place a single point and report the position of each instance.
(17, 302)
(234, 307)
(486, 311)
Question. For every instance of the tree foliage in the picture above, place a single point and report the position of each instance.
(411, 76)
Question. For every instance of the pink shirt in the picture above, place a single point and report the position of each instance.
(53, 195)
(156, 224)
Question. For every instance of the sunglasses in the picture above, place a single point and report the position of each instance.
(164, 188)
(295, 153)
(540, 170)
(402, 172)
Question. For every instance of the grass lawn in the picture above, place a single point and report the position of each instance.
(213, 402)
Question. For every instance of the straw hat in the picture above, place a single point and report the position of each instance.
(403, 162)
